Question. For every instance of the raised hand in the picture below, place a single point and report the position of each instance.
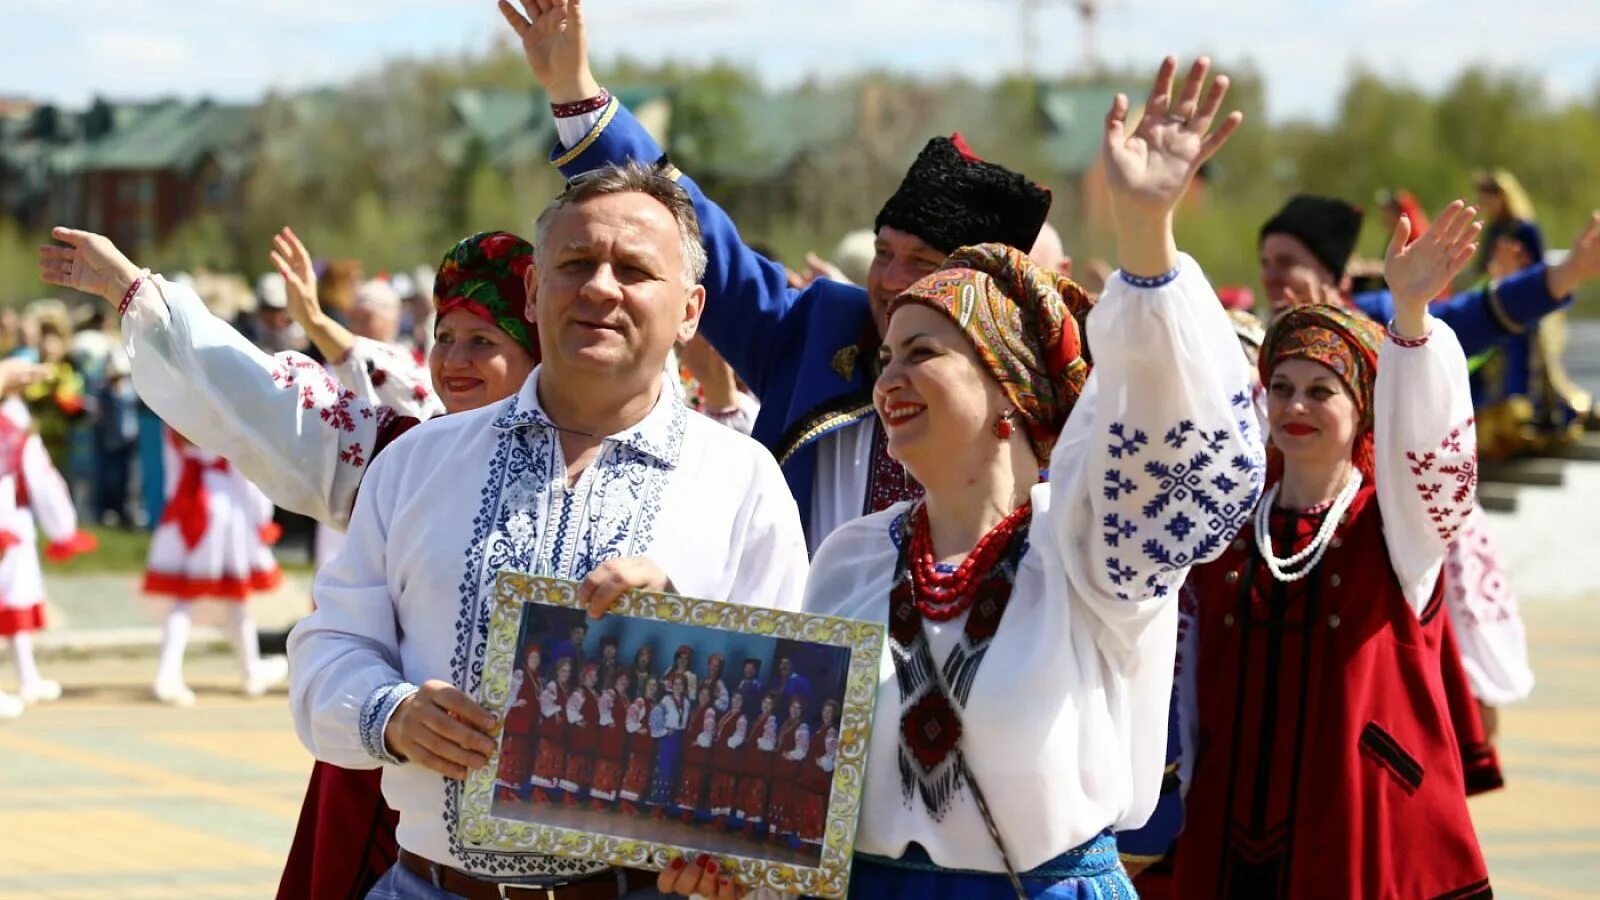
(1416, 274)
(556, 45)
(1582, 262)
(90, 263)
(1149, 167)
(290, 258)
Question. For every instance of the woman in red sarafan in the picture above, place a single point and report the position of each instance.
(612, 746)
(794, 745)
(1326, 762)
(726, 758)
(583, 735)
(815, 781)
(698, 736)
(550, 761)
(520, 738)
(757, 762)
(641, 747)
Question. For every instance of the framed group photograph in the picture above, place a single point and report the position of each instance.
(675, 726)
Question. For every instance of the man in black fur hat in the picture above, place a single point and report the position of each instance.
(809, 354)
(1305, 247)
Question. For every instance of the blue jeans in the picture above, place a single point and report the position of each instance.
(399, 883)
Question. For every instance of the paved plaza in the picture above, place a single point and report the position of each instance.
(108, 795)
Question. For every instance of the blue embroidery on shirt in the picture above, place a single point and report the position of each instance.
(374, 719)
(529, 521)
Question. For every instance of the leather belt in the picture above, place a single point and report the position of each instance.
(607, 885)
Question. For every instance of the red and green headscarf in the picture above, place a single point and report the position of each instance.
(486, 275)
(1341, 340)
(1026, 325)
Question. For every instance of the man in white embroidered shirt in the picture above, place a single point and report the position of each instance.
(593, 472)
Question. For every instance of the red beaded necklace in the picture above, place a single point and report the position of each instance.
(941, 594)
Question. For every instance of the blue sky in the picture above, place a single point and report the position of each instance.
(69, 52)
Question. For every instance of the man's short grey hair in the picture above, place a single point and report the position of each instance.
(633, 178)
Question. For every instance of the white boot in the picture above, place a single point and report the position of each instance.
(173, 692)
(10, 707)
(266, 674)
(42, 691)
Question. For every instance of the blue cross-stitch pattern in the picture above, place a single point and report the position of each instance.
(1117, 484)
(520, 527)
(1118, 529)
(1125, 445)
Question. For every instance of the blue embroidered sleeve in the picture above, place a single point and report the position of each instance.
(1482, 317)
(375, 715)
(1164, 455)
(752, 317)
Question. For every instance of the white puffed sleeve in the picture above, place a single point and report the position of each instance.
(282, 420)
(1161, 461)
(385, 375)
(344, 658)
(1425, 453)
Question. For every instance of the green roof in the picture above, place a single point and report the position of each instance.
(515, 126)
(778, 129)
(166, 135)
(1074, 121)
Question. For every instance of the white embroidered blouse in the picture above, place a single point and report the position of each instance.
(282, 420)
(462, 497)
(1158, 466)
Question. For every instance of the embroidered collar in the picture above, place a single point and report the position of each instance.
(655, 436)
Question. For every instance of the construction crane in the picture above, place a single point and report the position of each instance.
(1088, 10)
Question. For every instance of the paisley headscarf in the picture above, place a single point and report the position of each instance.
(1343, 341)
(485, 275)
(1026, 325)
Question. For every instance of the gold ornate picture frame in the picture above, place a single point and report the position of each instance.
(775, 799)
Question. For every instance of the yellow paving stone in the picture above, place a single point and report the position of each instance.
(1535, 805)
(253, 890)
(1571, 728)
(178, 783)
(273, 749)
(50, 842)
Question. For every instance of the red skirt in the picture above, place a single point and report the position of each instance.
(607, 779)
(550, 764)
(516, 759)
(636, 778)
(579, 772)
(344, 841)
(692, 789)
(15, 620)
(723, 789)
(812, 822)
(751, 804)
(780, 805)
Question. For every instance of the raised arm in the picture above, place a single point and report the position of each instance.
(288, 426)
(1484, 316)
(1425, 447)
(750, 308)
(1162, 461)
(376, 373)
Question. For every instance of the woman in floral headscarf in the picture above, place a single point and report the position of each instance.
(306, 442)
(1325, 759)
(1022, 706)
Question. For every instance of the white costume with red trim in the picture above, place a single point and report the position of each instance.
(33, 496)
(210, 542)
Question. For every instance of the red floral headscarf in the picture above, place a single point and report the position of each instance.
(485, 275)
(1026, 325)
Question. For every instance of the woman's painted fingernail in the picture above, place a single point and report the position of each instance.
(677, 864)
(711, 867)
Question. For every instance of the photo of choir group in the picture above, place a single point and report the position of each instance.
(625, 720)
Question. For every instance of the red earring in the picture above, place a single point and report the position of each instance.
(1002, 425)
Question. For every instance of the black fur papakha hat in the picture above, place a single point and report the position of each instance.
(952, 199)
(1327, 226)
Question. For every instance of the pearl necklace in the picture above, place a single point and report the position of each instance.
(1313, 552)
